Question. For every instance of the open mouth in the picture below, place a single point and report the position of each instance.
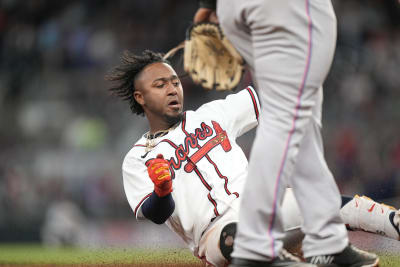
(174, 104)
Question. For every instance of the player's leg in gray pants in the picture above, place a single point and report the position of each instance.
(289, 44)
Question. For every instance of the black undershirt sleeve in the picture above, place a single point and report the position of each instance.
(158, 209)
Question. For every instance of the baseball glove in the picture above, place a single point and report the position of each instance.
(210, 59)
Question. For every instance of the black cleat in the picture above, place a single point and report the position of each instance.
(349, 257)
(284, 259)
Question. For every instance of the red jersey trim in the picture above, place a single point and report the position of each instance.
(253, 99)
(141, 201)
(214, 203)
(222, 177)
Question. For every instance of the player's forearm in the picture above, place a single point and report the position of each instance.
(158, 209)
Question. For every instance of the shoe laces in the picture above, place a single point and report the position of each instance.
(284, 255)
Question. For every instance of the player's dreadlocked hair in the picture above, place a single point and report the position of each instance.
(124, 75)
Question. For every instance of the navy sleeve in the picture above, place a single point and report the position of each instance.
(158, 209)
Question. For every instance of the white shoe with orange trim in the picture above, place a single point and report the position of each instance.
(363, 213)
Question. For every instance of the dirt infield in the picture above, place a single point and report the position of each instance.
(375, 243)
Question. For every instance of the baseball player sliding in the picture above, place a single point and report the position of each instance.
(188, 171)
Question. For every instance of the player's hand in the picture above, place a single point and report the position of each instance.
(159, 173)
(205, 15)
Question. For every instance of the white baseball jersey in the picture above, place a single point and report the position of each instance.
(208, 167)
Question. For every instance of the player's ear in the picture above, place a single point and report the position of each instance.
(138, 97)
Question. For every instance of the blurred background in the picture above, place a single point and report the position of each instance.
(63, 137)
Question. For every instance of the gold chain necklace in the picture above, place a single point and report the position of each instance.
(151, 138)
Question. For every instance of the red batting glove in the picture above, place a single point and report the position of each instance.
(159, 173)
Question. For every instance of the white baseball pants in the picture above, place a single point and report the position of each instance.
(289, 46)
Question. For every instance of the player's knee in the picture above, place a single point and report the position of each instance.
(226, 240)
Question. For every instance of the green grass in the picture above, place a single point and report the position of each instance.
(36, 254)
(387, 260)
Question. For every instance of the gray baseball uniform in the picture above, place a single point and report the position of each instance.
(289, 46)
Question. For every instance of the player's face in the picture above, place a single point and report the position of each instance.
(160, 92)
